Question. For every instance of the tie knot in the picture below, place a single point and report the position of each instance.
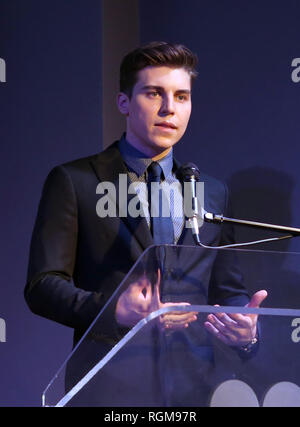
(154, 172)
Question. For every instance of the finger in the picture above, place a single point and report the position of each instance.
(183, 314)
(222, 320)
(255, 302)
(158, 277)
(237, 317)
(230, 335)
(172, 321)
(257, 299)
(232, 331)
(178, 318)
(216, 323)
(174, 304)
(218, 334)
(240, 320)
(173, 326)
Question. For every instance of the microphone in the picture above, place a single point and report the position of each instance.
(190, 175)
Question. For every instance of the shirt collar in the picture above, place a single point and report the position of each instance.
(138, 163)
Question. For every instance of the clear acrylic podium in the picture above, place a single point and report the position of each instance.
(148, 365)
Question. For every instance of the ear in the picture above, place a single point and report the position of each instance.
(123, 103)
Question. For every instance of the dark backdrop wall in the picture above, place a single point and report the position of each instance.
(50, 113)
(244, 129)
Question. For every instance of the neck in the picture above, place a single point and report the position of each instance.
(161, 155)
(150, 152)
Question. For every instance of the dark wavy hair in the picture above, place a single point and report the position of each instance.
(155, 54)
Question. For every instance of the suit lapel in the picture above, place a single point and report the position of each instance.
(108, 166)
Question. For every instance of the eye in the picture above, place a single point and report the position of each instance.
(153, 94)
(182, 97)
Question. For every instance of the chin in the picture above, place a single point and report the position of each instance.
(164, 143)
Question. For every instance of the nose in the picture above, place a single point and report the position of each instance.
(167, 106)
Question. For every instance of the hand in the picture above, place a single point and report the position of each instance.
(135, 303)
(140, 299)
(236, 329)
(176, 319)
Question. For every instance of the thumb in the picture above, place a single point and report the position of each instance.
(257, 299)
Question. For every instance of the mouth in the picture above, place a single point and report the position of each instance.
(166, 125)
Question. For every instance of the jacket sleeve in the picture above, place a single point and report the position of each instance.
(50, 291)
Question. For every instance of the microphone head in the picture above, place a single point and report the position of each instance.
(187, 171)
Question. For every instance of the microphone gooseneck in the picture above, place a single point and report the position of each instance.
(190, 175)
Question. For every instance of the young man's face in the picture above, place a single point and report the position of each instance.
(159, 109)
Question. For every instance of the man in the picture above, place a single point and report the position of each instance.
(79, 258)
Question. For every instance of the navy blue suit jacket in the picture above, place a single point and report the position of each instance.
(78, 259)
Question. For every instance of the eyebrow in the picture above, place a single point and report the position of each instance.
(160, 88)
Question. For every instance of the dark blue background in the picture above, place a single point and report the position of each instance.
(50, 113)
(244, 129)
